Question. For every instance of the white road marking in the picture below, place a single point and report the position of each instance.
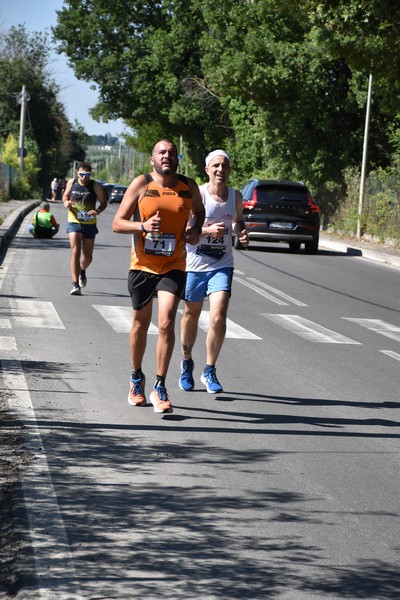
(256, 289)
(34, 313)
(7, 344)
(55, 570)
(5, 264)
(379, 326)
(309, 330)
(120, 318)
(277, 292)
(392, 354)
(5, 324)
(233, 330)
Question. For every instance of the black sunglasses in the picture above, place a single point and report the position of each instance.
(84, 174)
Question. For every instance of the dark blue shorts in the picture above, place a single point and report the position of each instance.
(89, 232)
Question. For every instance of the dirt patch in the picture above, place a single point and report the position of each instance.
(12, 458)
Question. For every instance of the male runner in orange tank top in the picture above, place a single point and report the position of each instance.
(160, 204)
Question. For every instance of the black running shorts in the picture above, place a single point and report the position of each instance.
(143, 286)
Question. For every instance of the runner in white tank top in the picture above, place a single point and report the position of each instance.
(214, 252)
(209, 266)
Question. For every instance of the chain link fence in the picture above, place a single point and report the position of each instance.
(381, 207)
(7, 176)
(381, 216)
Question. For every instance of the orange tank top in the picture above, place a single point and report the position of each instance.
(167, 250)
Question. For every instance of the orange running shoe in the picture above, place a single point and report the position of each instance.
(136, 392)
(160, 401)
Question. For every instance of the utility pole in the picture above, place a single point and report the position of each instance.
(22, 99)
(181, 157)
(364, 158)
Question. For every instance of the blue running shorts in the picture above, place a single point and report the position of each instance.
(199, 285)
(89, 232)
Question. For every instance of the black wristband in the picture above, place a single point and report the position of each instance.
(98, 211)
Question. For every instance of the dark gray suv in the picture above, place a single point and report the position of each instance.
(281, 211)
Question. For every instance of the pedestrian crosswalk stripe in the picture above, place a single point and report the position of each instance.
(37, 313)
(120, 318)
(233, 330)
(309, 330)
(390, 353)
(379, 326)
(7, 343)
(34, 313)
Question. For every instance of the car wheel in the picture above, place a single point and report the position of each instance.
(312, 247)
(294, 246)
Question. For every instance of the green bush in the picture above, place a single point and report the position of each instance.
(381, 207)
(346, 215)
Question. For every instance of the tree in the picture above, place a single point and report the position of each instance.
(25, 183)
(24, 59)
(141, 55)
(281, 84)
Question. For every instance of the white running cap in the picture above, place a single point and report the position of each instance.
(215, 153)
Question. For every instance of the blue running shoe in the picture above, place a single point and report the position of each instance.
(211, 382)
(186, 381)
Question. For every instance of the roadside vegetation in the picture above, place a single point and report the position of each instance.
(51, 141)
(381, 212)
(280, 84)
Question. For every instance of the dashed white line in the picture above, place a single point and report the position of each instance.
(259, 291)
(4, 266)
(277, 292)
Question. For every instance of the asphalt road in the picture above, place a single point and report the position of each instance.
(284, 486)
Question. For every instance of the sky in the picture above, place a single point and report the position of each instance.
(76, 96)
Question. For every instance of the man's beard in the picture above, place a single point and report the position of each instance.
(166, 169)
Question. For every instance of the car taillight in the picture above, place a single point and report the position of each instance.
(249, 204)
(313, 207)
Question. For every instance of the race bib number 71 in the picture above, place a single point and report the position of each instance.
(162, 244)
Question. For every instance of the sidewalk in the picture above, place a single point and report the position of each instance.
(383, 253)
(15, 210)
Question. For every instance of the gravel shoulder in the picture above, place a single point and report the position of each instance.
(12, 461)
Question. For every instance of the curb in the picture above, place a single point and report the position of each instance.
(380, 257)
(15, 218)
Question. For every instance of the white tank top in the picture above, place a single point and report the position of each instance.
(213, 253)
